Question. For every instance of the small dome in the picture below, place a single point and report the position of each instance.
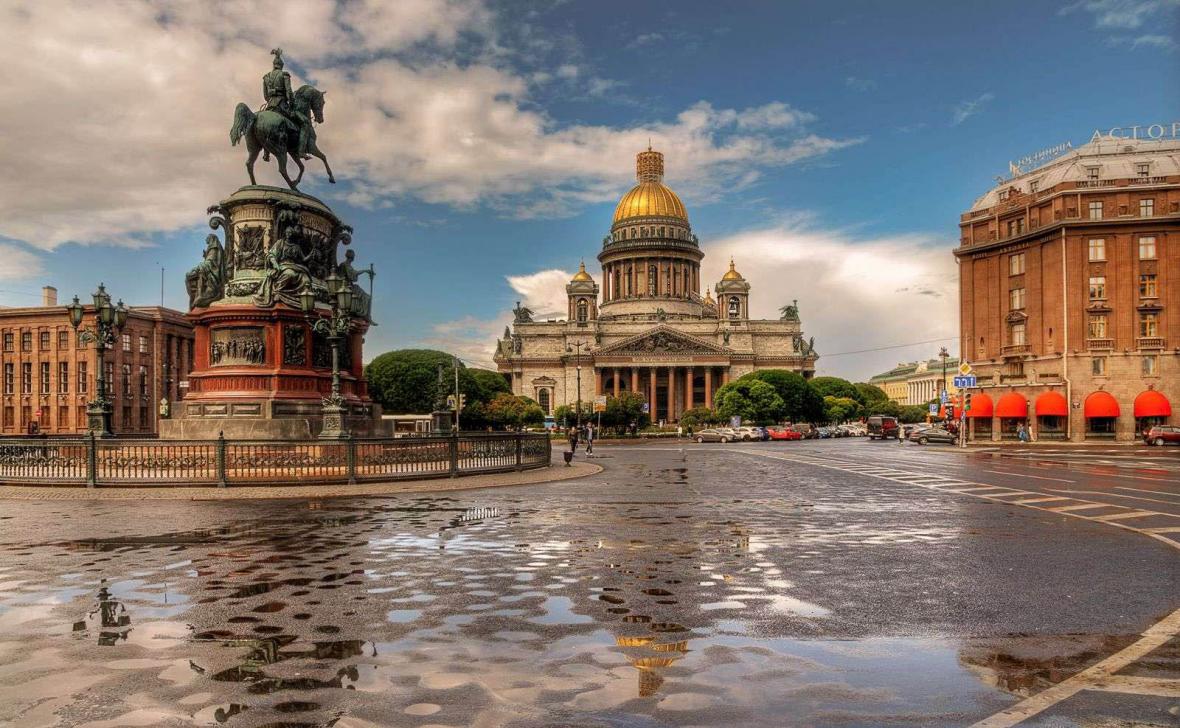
(581, 275)
(650, 198)
(732, 274)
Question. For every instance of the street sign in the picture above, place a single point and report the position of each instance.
(600, 403)
(183, 384)
(735, 421)
(965, 369)
(944, 397)
(966, 381)
(646, 408)
(933, 409)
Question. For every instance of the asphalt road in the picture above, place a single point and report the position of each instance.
(841, 583)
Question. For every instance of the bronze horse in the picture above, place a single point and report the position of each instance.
(274, 133)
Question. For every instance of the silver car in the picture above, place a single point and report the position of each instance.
(713, 435)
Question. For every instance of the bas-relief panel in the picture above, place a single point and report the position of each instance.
(237, 346)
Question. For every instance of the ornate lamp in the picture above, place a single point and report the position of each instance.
(334, 282)
(120, 315)
(108, 320)
(344, 298)
(307, 300)
(75, 312)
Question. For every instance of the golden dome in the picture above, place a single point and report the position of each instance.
(732, 274)
(581, 275)
(650, 198)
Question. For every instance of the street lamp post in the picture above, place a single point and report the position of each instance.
(577, 349)
(943, 354)
(108, 320)
(336, 328)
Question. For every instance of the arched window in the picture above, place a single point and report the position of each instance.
(643, 231)
(543, 400)
(661, 231)
(583, 310)
(735, 307)
(652, 274)
(633, 234)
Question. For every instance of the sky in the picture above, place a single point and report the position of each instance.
(480, 146)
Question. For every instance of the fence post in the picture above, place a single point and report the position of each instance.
(351, 453)
(454, 453)
(519, 448)
(92, 462)
(221, 480)
(548, 450)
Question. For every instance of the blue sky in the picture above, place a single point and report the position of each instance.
(829, 147)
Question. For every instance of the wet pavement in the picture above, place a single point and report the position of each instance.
(682, 586)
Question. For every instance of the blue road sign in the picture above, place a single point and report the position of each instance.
(933, 409)
(646, 408)
(966, 382)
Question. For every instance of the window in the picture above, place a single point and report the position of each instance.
(44, 377)
(126, 342)
(1151, 365)
(143, 345)
(1003, 195)
(1091, 173)
(1143, 169)
(1097, 288)
(63, 377)
(83, 378)
(1016, 264)
(1147, 248)
(1015, 226)
(8, 342)
(1095, 210)
(1096, 328)
(143, 381)
(1146, 208)
(1098, 366)
(1148, 285)
(583, 310)
(126, 376)
(1097, 249)
(1149, 325)
(63, 339)
(735, 307)
(543, 400)
(8, 417)
(109, 383)
(26, 341)
(1016, 299)
(143, 417)
(1017, 334)
(8, 377)
(26, 378)
(1034, 186)
(44, 339)
(651, 281)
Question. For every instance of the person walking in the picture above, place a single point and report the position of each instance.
(1021, 433)
(589, 439)
(573, 436)
(900, 434)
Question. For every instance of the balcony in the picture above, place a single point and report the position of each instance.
(1150, 342)
(1100, 344)
(1016, 349)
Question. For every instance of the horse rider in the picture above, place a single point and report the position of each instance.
(276, 89)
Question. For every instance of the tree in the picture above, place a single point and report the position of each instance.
(698, 417)
(913, 413)
(870, 395)
(801, 403)
(488, 384)
(841, 409)
(512, 411)
(753, 400)
(835, 387)
(621, 411)
(406, 381)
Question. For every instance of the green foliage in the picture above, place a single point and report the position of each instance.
(870, 395)
(405, 381)
(801, 403)
(511, 411)
(621, 411)
(699, 417)
(841, 409)
(755, 401)
(835, 387)
(913, 413)
(488, 384)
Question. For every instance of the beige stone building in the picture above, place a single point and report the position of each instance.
(647, 328)
(1070, 293)
(915, 383)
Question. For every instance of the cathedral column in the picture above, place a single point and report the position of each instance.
(598, 381)
(635, 379)
(688, 388)
(653, 398)
(724, 375)
(708, 386)
(671, 394)
(616, 378)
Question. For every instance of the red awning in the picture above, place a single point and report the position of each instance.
(1101, 404)
(981, 406)
(1152, 404)
(1052, 404)
(1011, 405)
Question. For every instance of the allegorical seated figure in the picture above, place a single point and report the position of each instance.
(206, 282)
(361, 301)
(287, 263)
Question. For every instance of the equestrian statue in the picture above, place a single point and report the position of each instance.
(283, 126)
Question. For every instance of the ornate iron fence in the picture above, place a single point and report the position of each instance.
(115, 462)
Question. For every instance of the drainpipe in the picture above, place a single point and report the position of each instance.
(1065, 340)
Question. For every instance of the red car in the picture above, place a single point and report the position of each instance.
(784, 433)
(1162, 434)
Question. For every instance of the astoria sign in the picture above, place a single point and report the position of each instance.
(1141, 131)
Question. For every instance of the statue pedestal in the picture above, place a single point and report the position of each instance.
(259, 370)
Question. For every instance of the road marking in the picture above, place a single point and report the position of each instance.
(1161, 686)
(1025, 475)
(1145, 490)
(1090, 506)
(1132, 514)
(1040, 500)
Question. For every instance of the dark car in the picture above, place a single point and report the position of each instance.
(1162, 435)
(932, 434)
(808, 431)
(712, 435)
(882, 427)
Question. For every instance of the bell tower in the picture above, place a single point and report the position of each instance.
(733, 296)
(583, 297)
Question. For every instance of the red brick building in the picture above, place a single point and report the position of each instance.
(48, 376)
(1070, 294)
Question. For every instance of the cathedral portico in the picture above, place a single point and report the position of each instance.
(649, 329)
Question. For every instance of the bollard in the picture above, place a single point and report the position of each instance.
(519, 448)
(351, 454)
(454, 453)
(92, 462)
(221, 480)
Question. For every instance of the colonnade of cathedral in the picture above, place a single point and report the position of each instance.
(650, 277)
(669, 390)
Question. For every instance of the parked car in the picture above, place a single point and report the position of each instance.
(712, 435)
(1162, 435)
(882, 427)
(932, 434)
(784, 433)
(907, 430)
(749, 434)
(808, 431)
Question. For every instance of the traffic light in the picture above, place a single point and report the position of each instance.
(967, 402)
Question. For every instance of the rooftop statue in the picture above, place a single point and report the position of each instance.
(791, 312)
(283, 126)
(522, 314)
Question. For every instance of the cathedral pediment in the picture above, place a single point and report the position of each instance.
(661, 340)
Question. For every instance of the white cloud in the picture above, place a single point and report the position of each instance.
(543, 292)
(854, 293)
(17, 263)
(964, 110)
(1121, 14)
(471, 339)
(1163, 42)
(116, 123)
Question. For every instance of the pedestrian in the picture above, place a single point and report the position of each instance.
(573, 436)
(900, 434)
(679, 432)
(589, 439)
(1021, 433)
